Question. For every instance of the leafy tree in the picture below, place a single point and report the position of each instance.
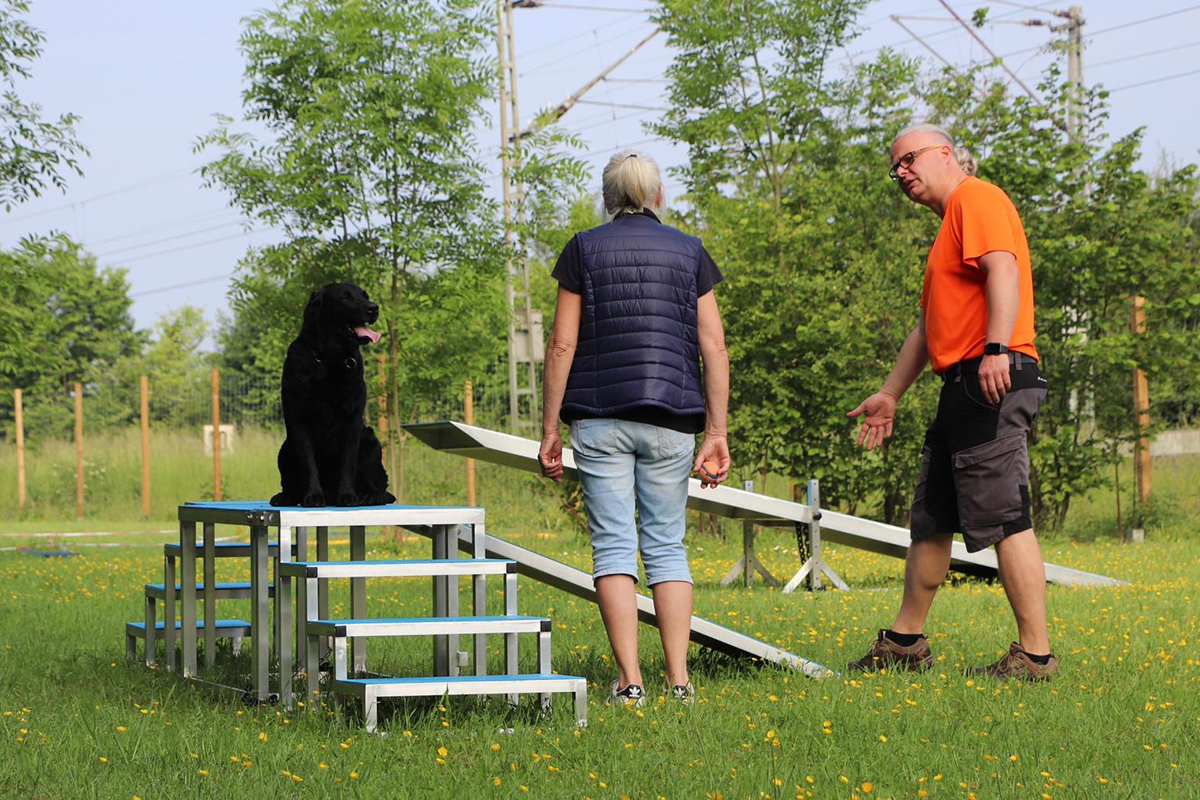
(787, 185)
(61, 320)
(34, 152)
(824, 258)
(175, 366)
(372, 171)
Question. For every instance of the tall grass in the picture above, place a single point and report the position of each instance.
(182, 472)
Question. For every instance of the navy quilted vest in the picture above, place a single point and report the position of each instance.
(638, 344)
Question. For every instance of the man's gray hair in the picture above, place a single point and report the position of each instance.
(961, 154)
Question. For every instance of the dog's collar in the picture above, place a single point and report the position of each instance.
(350, 361)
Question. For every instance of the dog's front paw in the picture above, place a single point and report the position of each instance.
(313, 500)
(347, 499)
(379, 499)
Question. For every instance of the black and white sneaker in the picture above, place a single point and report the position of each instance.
(633, 693)
(682, 693)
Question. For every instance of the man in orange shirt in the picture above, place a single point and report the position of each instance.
(976, 331)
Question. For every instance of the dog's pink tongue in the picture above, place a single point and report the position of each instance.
(363, 330)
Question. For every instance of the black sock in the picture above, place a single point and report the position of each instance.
(1039, 660)
(903, 639)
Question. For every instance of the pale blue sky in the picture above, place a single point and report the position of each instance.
(146, 79)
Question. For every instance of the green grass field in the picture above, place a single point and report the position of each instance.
(1122, 720)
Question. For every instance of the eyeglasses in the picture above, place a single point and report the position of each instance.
(907, 160)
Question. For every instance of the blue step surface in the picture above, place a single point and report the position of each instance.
(221, 623)
(461, 679)
(174, 548)
(251, 507)
(235, 586)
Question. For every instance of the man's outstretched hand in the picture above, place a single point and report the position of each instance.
(878, 412)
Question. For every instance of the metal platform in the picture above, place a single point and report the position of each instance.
(515, 451)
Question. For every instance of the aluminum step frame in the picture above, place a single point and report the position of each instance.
(309, 639)
(234, 629)
(509, 683)
(545, 684)
(291, 524)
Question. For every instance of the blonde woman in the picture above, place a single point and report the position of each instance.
(636, 316)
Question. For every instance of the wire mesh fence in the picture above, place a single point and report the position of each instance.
(100, 445)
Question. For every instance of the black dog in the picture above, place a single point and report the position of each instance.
(330, 457)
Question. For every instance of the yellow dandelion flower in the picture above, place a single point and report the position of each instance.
(354, 775)
(204, 772)
(495, 781)
(495, 747)
(122, 729)
(867, 787)
(443, 752)
(262, 736)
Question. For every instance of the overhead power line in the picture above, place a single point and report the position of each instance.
(590, 32)
(170, 176)
(173, 238)
(1142, 55)
(205, 243)
(187, 285)
(572, 7)
(167, 225)
(1156, 17)
(1155, 80)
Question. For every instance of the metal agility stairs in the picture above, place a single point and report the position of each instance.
(308, 627)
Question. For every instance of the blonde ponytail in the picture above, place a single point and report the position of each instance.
(630, 183)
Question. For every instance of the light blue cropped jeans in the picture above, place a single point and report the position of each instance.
(634, 466)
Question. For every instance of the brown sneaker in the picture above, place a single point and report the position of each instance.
(885, 653)
(1016, 663)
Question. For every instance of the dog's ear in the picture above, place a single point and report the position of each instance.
(312, 311)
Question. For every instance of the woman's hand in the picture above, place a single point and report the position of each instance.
(550, 456)
(716, 450)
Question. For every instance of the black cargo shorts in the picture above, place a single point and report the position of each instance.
(975, 464)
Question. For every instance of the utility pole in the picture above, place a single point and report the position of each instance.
(1074, 26)
(525, 346)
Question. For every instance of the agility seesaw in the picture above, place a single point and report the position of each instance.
(877, 537)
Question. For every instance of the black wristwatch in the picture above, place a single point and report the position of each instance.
(995, 349)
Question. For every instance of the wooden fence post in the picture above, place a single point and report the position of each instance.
(78, 449)
(216, 437)
(383, 420)
(20, 450)
(145, 447)
(469, 418)
(1141, 410)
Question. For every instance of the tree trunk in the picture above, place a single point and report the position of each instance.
(396, 450)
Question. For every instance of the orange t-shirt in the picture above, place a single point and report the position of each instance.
(979, 219)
